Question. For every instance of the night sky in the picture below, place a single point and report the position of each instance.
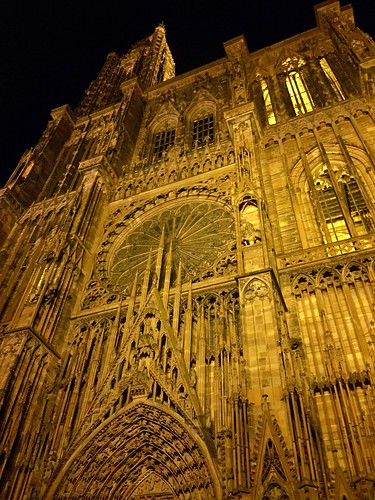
(51, 51)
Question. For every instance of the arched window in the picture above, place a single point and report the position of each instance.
(201, 122)
(342, 203)
(334, 195)
(162, 142)
(268, 102)
(296, 86)
(163, 136)
(203, 131)
(262, 95)
(298, 93)
(336, 87)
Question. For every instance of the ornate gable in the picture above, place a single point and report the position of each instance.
(274, 476)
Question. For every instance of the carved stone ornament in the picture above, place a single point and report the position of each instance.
(198, 234)
(275, 492)
(154, 485)
(256, 289)
(143, 451)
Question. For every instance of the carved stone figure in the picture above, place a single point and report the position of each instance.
(250, 234)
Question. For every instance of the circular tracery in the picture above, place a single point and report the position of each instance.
(193, 234)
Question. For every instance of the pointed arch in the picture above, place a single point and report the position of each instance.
(293, 76)
(201, 119)
(256, 288)
(343, 490)
(148, 483)
(354, 271)
(164, 129)
(142, 439)
(334, 190)
(262, 91)
(302, 283)
(328, 277)
(202, 103)
(272, 471)
(288, 59)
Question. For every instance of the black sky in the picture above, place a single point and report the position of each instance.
(50, 51)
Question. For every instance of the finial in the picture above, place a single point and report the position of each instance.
(161, 26)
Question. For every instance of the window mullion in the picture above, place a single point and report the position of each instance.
(292, 94)
(316, 202)
(327, 216)
(340, 194)
(203, 129)
(162, 142)
(332, 78)
(298, 92)
(360, 207)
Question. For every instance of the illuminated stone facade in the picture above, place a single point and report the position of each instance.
(188, 266)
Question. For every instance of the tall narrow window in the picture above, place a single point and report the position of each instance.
(343, 205)
(298, 92)
(268, 103)
(203, 131)
(332, 79)
(161, 68)
(162, 142)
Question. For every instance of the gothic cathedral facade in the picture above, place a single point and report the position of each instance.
(188, 274)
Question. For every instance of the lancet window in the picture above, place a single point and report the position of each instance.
(261, 94)
(342, 203)
(335, 84)
(270, 113)
(298, 91)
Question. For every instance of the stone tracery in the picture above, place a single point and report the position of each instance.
(196, 233)
(140, 441)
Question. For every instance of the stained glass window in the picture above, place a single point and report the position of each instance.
(298, 92)
(342, 203)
